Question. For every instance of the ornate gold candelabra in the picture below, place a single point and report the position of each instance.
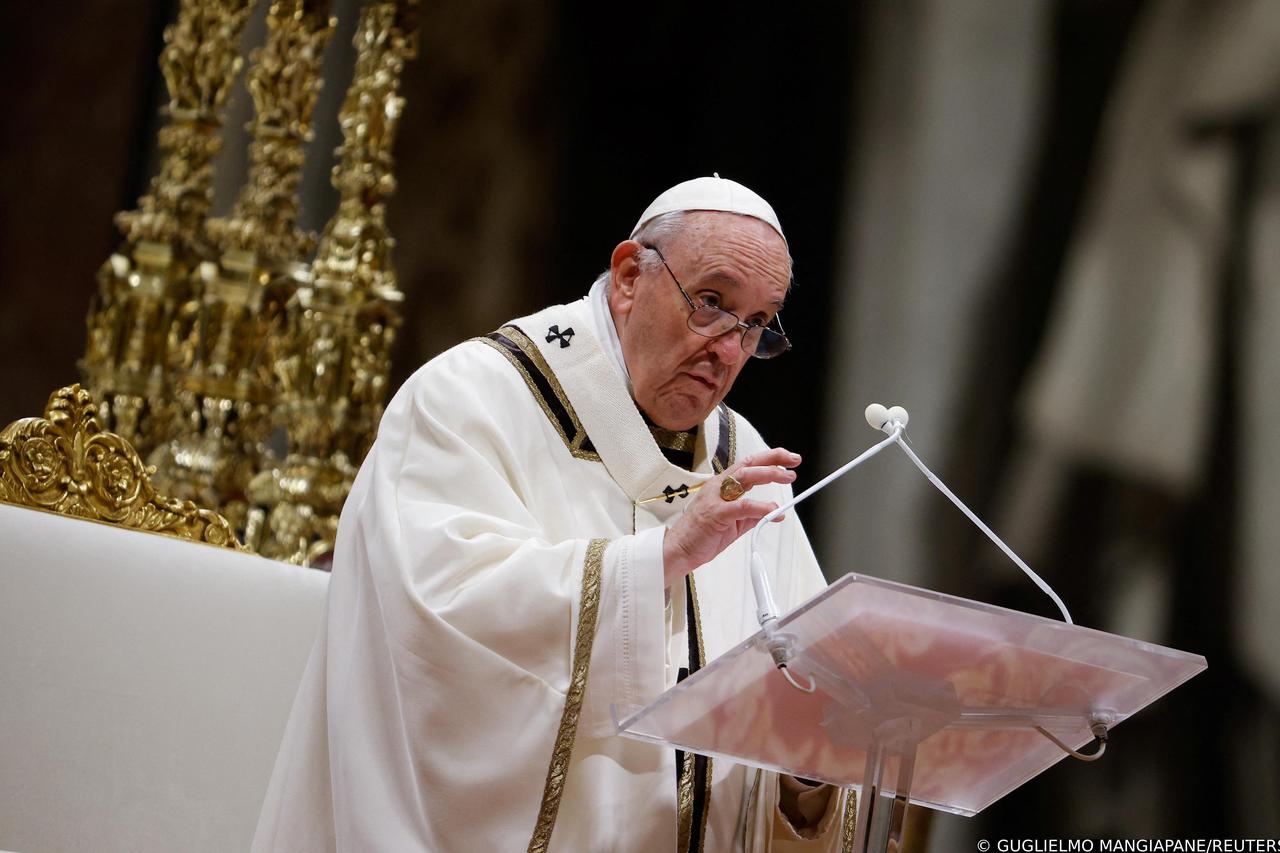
(332, 357)
(129, 346)
(207, 334)
(222, 377)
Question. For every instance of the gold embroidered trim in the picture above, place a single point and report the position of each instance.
(850, 821)
(702, 661)
(697, 621)
(588, 612)
(729, 422)
(684, 804)
(578, 444)
(706, 807)
(685, 440)
(685, 793)
(733, 436)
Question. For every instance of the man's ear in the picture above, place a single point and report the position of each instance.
(625, 267)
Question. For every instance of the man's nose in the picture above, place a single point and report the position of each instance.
(726, 346)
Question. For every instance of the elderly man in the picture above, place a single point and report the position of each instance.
(546, 535)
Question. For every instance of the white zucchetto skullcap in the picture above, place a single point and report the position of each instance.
(714, 193)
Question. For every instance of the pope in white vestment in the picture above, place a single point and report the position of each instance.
(502, 588)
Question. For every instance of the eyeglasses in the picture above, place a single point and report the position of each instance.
(712, 322)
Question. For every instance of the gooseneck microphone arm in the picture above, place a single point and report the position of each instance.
(892, 420)
(766, 609)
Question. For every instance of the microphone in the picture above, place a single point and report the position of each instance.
(893, 421)
(884, 419)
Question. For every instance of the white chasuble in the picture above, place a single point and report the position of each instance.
(496, 590)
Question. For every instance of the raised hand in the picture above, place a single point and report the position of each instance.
(711, 522)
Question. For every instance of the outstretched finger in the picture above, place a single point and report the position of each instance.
(758, 474)
(773, 456)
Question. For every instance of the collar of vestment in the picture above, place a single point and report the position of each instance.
(563, 360)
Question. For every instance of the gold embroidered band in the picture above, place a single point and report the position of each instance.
(588, 612)
(727, 446)
(693, 792)
(850, 820)
(525, 357)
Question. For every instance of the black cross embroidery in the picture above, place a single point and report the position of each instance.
(682, 491)
(554, 334)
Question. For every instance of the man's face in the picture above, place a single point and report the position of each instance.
(735, 262)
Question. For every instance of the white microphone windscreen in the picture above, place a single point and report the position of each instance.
(877, 415)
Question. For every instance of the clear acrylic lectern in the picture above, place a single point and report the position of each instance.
(920, 697)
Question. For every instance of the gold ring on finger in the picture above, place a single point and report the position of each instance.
(731, 489)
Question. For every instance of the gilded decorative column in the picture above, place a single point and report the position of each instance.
(332, 358)
(143, 285)
(223, 377)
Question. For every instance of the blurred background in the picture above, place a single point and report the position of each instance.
(1050, 228)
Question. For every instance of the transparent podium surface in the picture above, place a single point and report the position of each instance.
(937, 696)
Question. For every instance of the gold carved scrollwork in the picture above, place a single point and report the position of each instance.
(67, 463)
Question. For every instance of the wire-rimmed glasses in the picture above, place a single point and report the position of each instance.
(712, 322)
